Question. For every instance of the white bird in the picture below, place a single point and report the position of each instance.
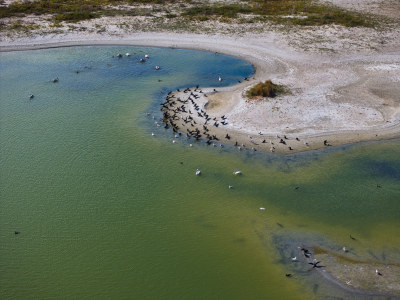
(237, 173)
(152, 134)
(157, 68)
(262, 208)
(198, 172)
(190, 145)
(146, 56)
(219, 78)
(230, 186)
(128, 54)
(173, 142)
(294, 259)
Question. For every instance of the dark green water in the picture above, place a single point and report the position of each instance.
(105, 210)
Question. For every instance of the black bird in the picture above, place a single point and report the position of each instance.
(288, 275)
(16, 232)
(306, 252)
(352, 237)
(264, 141)
(315, 264)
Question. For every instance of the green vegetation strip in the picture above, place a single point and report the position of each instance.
(294, 12)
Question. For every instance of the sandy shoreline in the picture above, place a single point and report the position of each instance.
(335, 97)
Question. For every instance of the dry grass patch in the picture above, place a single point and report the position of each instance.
(266, 89)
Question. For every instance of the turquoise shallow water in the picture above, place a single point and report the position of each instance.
(108, 211)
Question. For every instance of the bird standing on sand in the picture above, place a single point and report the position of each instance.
(315, 264)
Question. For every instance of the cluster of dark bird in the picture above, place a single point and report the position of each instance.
(178, 114)
(308, 256)
(185, 116)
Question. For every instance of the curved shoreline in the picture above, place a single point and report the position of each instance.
(330, 99)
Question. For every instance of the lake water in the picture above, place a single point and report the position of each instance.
(105, 210)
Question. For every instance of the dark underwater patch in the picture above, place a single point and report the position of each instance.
(385, 169)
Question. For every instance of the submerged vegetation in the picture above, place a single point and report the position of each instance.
(266, 89)
(293, 12)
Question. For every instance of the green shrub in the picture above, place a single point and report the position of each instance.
(266, 89)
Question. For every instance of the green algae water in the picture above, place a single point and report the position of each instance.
(106, 210)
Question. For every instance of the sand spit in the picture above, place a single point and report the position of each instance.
(353, 272)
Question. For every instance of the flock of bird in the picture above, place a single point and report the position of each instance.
(310, 260)
(183, 113)
(179, 113)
